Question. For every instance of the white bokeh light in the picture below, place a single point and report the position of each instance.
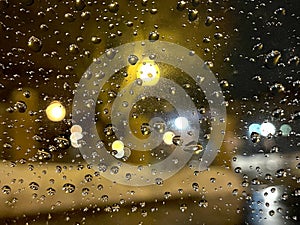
(181, 123)
(267, 128)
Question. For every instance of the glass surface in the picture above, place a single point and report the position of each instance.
(145, 112)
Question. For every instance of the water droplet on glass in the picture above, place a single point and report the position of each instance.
(110, 53)
(35, 44)
(62, 142)
(183, 207)
(195, 186)
(6, 189)
(153, 36)
(114, 169)
(209, 20)
(20, 106)
(88, 178)
(73, 48)
(160, 127)
(34, 186)
(177, 140)
(133, 59)
(113, 7)
(159, 181)
(100, 187)
(109, 130)
(43, 155)
(26, 94)
(181, 5)
(145, 129)
(194, 147)
(96, 40)
(51, 191)
(68, 188)
(193, 14)
(80, 5)
(85, 191)
(255, 137)
(272, 59)
(203, 203)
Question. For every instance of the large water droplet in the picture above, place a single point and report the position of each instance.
(80, 5)
(133, 59)
(34, 186)
(153, 36)
(20, 106)
(6, 189)
(35, 44)
(113, 7)
(193, 14)
(68, 188)
(272, 59)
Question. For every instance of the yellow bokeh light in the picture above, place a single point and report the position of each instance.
(55, 111)
(119, 147)
(168, 137)
(148, 72)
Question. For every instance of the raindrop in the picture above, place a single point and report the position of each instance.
(109, 130)
(193, 147)
(193, 14)
(183, 207)
(110, 53)
(88, 178)
(62, 142)
(258, 47)
(218, 36)
(80, 5)
(43, 155)
(26, 94)
(177, 140)
(85, 191)
(153, 36)
(114, 169)
(203, 203)
(100, 187)
(209, 20)
(181, 5)
(238, 169)
(160, 127)
(6, 189)
(145, 129)
(294, 61)
(35, 44)
(278, 113)
(113, 7)
(128, 176)
(133, 59)
(195, 186)
(68, 188)
(102, 167)
(159, 181)
(255, 137)
(69, 17)
(272, 59)
(34, 186)
(167, 195)
(271, 212)
(51, 191)
(74, 49)
(20, 106)
(96, 40)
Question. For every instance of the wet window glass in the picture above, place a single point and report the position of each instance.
(145, 112)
